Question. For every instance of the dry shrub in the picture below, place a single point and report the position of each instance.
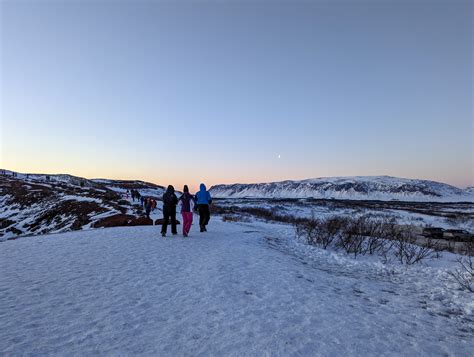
(464, 273)
(367, 234)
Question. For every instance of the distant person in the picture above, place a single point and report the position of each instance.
(169, 211)
(148, 207)
(203, 200)
(187, 204)
(142, 201)
(153, 205)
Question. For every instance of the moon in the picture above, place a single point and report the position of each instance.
(279, 156)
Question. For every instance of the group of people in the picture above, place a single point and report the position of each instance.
(149, 204)
(188, 203)
(135, 195)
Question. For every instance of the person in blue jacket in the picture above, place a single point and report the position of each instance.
(203, 200)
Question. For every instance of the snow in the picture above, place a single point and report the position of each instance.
(239, 289)
(80, 198)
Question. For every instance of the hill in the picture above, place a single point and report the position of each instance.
(40, 203)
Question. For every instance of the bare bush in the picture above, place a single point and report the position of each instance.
(307, 230)
(367, 234)
(328, 230)
(320, 232)
(464, 273)
(409, 253)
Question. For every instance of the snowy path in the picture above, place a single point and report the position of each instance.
(239, 289)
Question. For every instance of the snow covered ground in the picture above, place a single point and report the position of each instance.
(416, 215)
(240, 289)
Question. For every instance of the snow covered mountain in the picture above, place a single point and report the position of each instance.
(353, 188)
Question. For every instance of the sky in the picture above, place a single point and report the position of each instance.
(183, 92)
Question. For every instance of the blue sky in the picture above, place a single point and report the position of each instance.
(189, 91)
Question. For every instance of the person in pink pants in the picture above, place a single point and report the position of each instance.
(187, 203)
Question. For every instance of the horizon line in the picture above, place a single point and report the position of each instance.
(244, 183)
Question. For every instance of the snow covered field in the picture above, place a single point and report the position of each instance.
(422, 214)
(240, 289)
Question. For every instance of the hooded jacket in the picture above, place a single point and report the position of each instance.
(169, 198)
(187, 202)
(203, 197)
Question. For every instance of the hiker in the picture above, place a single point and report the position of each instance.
(203, 200)
(187, 204)
(153, 205)
(169, 211)
(142, 201)
(148, 207)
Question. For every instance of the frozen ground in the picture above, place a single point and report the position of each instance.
(239, 289)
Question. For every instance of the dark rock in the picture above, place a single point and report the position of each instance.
(79, 222)
(159, 222)
(141, 221)
(5, 223)
(118, 220)
(14, 230)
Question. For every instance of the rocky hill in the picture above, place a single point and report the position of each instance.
(39, 203)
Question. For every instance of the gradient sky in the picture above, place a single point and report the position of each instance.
(189, 91)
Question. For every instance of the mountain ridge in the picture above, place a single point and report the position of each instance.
(348, 187)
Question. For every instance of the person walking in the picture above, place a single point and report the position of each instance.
(187, 204)
(148, 207)
(203, 200)
(169, 211)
